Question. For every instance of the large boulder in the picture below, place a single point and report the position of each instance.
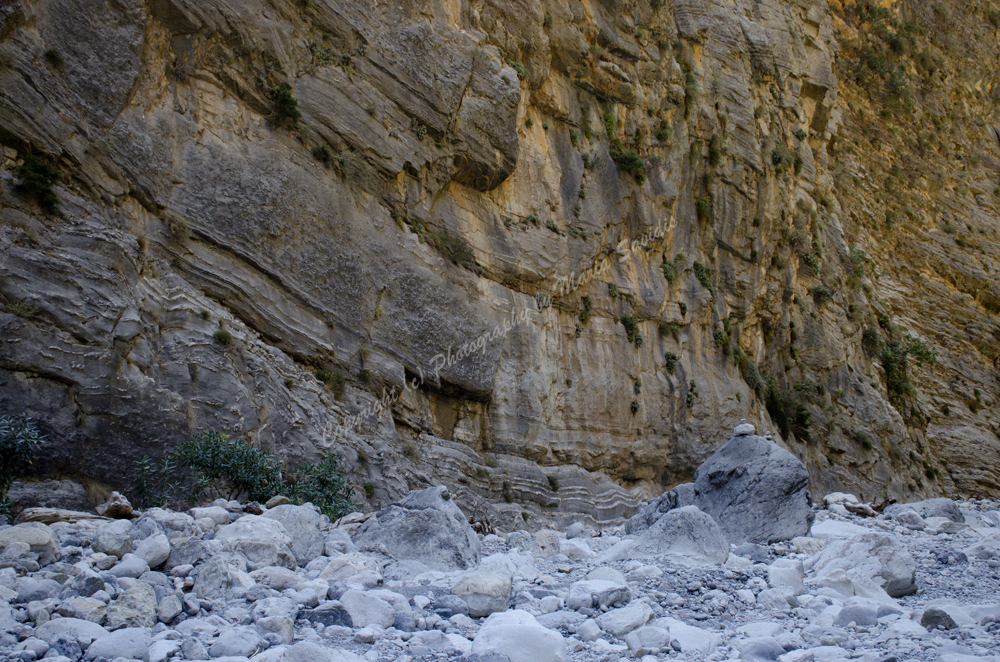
(755, 490)
(129, 643)
(37, 536)
(684, 535)
(113, 538)
(484, 592)
(425, 526)
(940, 507)
(306, 527)
(262, 540)
(873, 565)
(516, 634)
(134, 608)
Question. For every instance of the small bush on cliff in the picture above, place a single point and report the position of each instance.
(629, 161)
(284, 107)
(19, 439)
(37, 178)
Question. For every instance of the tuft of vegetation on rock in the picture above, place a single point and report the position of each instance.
(37, 178)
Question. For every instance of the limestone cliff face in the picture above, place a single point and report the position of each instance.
(761, 184)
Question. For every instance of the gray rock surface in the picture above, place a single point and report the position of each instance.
(305, 526)
(425, 526)
(130, 643)
(755, 491)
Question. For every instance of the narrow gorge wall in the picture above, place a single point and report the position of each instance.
(586, 237)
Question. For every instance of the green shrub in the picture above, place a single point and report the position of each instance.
(862, 439)
(894, 362)
(629, 161)
(632, 329)
(490, 460)
(369, 489)
(553, 483)
(821, 295)
(634, 407)
(229, 468)
(508, 496)
(683, 307)
(609, 124)
(411, 450)
(801, 134)
(692, 393)
(704, 276)
(155, 482)
(787, 412)
(664, 133)
(522, 71)
(284, 107)
(670, 361)
(334, 380)
(588, 308)
(612, 290)
(458, 249)
(782, 158)
(19, 439)
(36, 180)
(322, 484)
(574, 140)
(222, 337)
(721, 339)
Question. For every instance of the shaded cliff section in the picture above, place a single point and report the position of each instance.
(587, 237)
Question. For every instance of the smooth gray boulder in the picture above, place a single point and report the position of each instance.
(78, 629)
(685, 535)
(940, 507)
(873, 565)
(38, 537)
(755, 490)
(307, 528)
(113, 538)
(424, 526)
(129, 643)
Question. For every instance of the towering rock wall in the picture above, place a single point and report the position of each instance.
(556, 249)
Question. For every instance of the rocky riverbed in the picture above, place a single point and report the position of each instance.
(767, 576)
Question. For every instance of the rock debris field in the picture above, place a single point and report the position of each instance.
(738, 564)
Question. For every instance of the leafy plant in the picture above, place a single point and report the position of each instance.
(222, 337)
(704, 276)
(692, 393)
(322, 484)
(588, 308)
(788, 412)
(634, 407)
(553, 483)
(230, 468)
(631, 325)
(629, 161)
(284, 107)
(821, 295)
(612, 290)
(334, 380)
(670, 361)
(19, 439)
(155, 482)
(369, 489)
(36, 180)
